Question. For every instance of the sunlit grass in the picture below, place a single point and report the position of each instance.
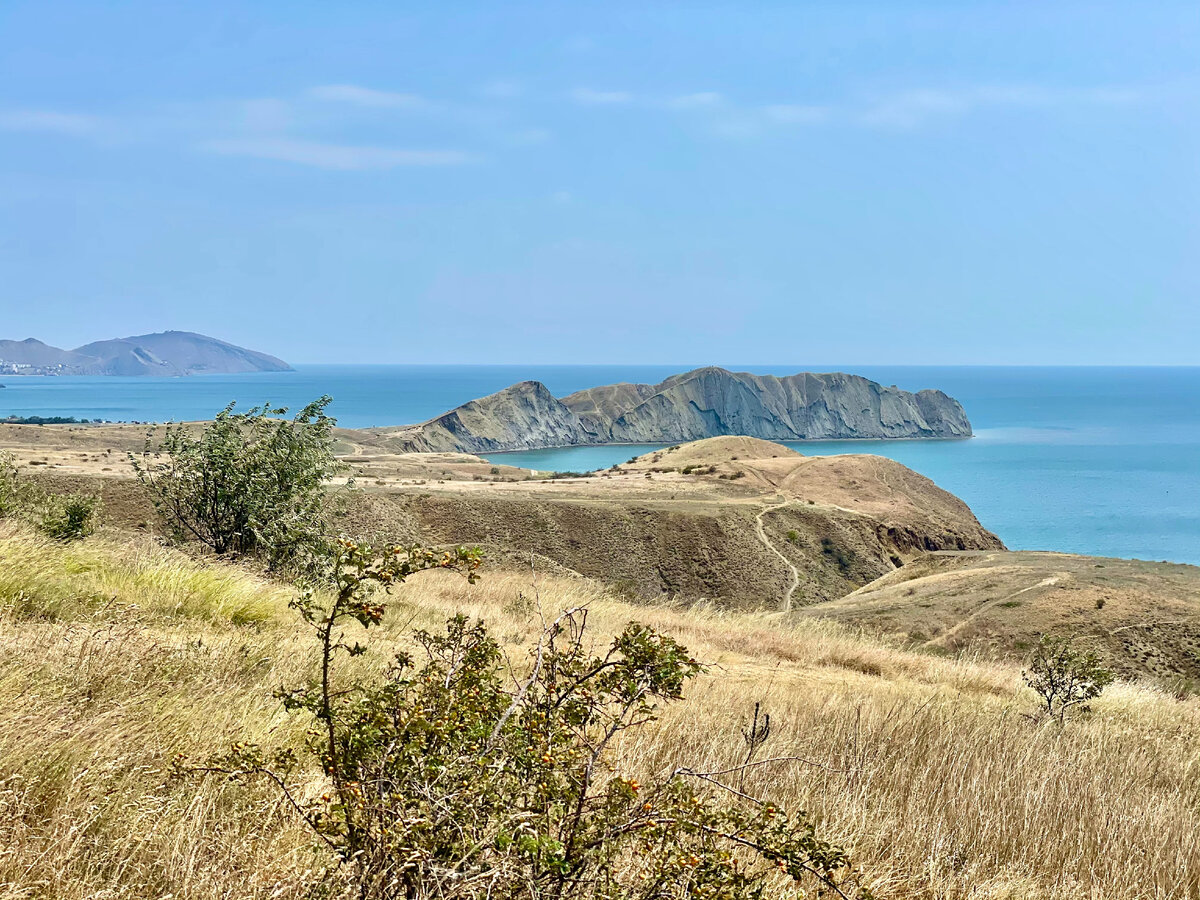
(925, 766)
(46, 579)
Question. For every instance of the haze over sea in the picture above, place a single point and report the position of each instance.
(1096, 460)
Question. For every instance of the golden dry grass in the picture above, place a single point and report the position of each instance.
(924, 765)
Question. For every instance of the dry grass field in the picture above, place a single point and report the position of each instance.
(117, 654)
(1142, 618)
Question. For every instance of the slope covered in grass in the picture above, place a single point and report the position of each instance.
(1142, 618)
(115, 658)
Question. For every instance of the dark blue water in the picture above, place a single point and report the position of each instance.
(1088, 460)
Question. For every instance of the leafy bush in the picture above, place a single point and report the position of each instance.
(61, 516)
(67, 517)
(244, 483)
(455, 777)
(793, 536)
(1063, 677)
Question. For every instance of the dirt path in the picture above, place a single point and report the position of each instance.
(786, 604)
(944, 637)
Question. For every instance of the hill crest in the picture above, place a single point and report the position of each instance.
(169, 353)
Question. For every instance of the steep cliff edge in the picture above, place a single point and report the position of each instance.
(703, 403)
(523, 416)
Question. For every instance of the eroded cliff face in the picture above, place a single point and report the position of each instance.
(523, 416)
(708, 402)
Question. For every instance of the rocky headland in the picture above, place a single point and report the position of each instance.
(703, 403)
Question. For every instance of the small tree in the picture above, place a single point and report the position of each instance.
(1063, 677)
(451, 778)
(244, 483)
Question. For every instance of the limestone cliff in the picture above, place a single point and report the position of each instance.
(707, 402)
(525, 415)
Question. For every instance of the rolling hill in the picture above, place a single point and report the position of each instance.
(169, 353)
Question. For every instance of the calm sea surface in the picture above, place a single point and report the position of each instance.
(1089, 460)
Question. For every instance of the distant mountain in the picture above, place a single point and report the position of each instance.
(703, 403)
(167, 353)
(32, 352)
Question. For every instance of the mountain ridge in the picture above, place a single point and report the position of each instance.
(702, 403)
(167, 353)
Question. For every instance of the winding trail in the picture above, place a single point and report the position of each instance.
(786, 604)
(942, 639)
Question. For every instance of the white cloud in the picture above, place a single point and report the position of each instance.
(343, 157)
(911, 108)
(1033, 95)
(908, 109)
(589, 97)
(795, 113)
(528, 137)
(737, 126)
(501, 89)
(266, 116)
(362, 96)
(50, 122)
(698, 100)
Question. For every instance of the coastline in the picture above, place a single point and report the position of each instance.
(785, 441)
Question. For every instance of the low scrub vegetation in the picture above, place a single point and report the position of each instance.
(447, 782)
(62, 516)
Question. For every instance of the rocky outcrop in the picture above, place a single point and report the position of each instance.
(703, 403)
(166, 353)
(522, 416)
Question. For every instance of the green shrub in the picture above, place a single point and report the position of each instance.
(61, 516)
(245, 483)
(454, 776)
(1063, 677)
(793, 536)
(67, 517)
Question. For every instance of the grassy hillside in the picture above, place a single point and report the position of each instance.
(117, 656)
(1142, 618)
(745, 522)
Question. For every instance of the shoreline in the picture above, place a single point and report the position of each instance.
(784, 441)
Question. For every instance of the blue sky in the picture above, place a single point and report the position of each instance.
(808, 183)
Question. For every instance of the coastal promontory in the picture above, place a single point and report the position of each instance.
(703, 403)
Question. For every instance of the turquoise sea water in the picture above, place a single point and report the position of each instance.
(1089, 460)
